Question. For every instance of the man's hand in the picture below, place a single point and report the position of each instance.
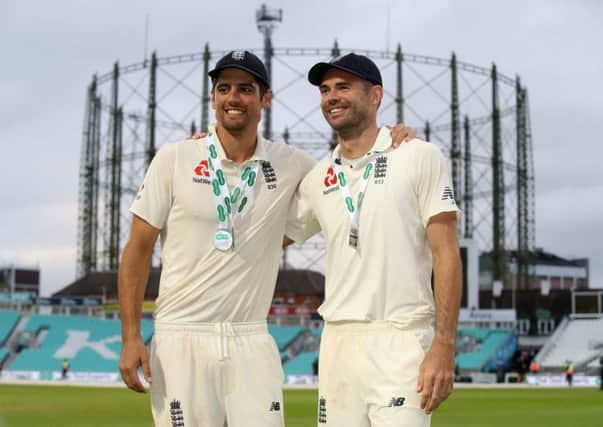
(198, 136)
(436, 375)
(134, 355)
(400, 134)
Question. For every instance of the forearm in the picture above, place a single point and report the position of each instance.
(133, 278)
(447, 279)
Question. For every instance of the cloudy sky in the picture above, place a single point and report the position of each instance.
(49, 51)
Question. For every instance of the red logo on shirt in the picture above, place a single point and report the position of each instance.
(202, 169)
(331, 178)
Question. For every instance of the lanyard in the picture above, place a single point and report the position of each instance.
(353, 211)
(229, 207)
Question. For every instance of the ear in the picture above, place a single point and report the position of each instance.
(376, 94)
(213, 99)
(267, 99)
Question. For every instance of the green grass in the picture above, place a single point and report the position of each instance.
(42, 406)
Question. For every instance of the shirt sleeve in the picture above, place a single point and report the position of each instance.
(301, 221)
(433, 183)
(154, 199)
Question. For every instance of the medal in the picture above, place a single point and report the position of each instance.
(223, 240)
(353, 209)
(228, 207)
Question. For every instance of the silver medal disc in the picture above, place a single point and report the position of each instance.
(223, 240)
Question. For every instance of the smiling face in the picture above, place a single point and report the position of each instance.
(237, 101)
(348, 103)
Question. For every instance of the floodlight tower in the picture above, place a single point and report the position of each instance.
(267, 20)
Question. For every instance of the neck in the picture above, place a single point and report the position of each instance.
(238, 146)
(357, 144)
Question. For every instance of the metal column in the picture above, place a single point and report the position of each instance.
(112, 208)
(205, 90)
(399, 86)
(468, 193)
(335, 52)
(498, 188)
(522, 189)
(455, 132)
(151, 106)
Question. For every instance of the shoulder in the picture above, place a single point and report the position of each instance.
(287, 156)
(419, 147)
(318, 172)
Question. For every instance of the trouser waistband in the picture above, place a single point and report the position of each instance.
(223, 330)
(353, 326)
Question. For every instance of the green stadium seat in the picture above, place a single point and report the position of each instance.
(284, 335)
(89, 343)
(301, 364)
(8, 321)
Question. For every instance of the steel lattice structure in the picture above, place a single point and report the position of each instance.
(477, 115)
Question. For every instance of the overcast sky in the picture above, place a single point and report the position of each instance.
(50, 49)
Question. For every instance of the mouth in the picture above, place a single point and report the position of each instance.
(234, 112)
(334, 112)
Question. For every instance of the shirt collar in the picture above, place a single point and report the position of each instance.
(260, 153)
(382, 143)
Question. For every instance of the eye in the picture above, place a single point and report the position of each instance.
(222, 89)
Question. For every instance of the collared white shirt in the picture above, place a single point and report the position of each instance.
(198, 282)
(389, 276)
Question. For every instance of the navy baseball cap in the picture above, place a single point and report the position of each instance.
(358, 65)
(243, 60)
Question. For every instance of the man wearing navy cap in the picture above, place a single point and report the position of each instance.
(221, 206)
(385, 214)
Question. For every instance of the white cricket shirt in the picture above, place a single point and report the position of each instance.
(388, 276)
(198, 282)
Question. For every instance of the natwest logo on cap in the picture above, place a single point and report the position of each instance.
(331, 178)
(202, 169)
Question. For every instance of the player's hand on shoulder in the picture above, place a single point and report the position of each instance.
(198, 135)
(401, 134)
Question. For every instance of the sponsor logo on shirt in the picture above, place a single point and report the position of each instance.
(269, 175)
(202, 173)
(330, 181)
(448, 194)
(275, 406)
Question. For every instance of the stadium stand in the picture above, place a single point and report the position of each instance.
(8, 321)
(490, 348)
(579, 340)
(3, 355)
(301, 364)
(284, 335)
(89, 343)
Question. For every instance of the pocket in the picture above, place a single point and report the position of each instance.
(423, 338)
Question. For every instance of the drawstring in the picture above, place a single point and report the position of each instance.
(225, 330)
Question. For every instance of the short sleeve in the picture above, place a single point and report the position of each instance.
(301, 221)
(433, 183)
(154, 199)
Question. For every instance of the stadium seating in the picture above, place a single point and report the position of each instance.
(284, 335)
(301, 364)
(3, 355)
(8, 320)
(578, 340)
(89, 343)
(488, 343)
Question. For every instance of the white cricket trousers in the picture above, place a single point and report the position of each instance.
(368, 373)
(207, 374)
